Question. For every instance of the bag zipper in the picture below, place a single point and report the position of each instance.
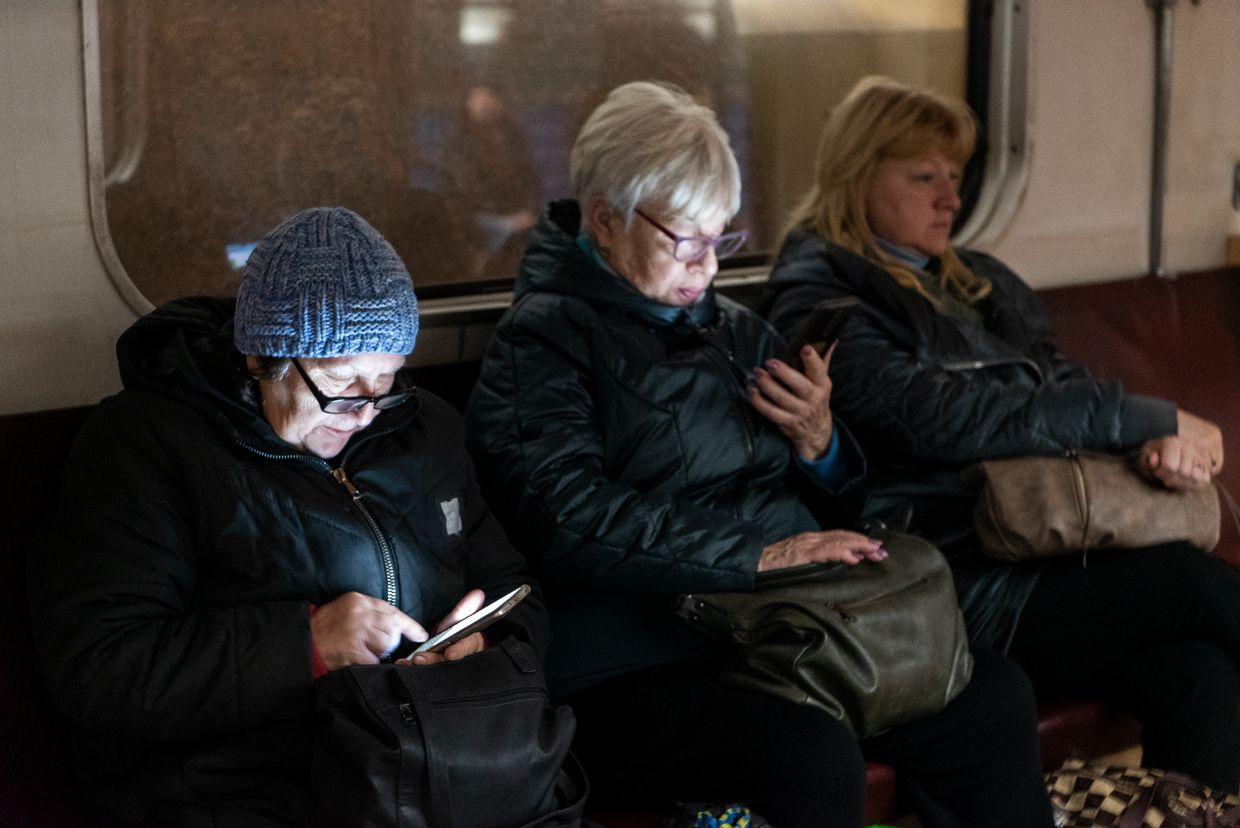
(408, 714)
(513, 694)
(1081, 495)
(846, 610)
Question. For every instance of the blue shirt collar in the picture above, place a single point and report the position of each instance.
(903, 255)
(699, 313)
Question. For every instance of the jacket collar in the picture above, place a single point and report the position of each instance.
(555, 263)
(807, 258)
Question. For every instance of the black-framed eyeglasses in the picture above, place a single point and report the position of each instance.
(692, 248)
(348, 405)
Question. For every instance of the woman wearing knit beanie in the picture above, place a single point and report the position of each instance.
(266, 500)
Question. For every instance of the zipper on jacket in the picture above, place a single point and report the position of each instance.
(978, 364)
(739, 376)
(386, 558)
(385, 551)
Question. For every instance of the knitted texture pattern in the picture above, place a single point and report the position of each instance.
(325, 284)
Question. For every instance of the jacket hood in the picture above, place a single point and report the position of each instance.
(553, 263)
(183, 350)
(179, 347)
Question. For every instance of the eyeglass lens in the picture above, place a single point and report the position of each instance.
(348, 405)
(692, 248)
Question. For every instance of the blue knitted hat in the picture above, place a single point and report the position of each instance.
(325, 284)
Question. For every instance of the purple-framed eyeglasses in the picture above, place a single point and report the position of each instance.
(692, 248)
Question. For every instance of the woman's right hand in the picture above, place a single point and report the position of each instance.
(359, 629)
(1187, 459)
(821, 547)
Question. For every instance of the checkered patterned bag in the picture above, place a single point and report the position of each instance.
(1094, 795)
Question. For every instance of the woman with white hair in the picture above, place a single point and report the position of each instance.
(640, 440)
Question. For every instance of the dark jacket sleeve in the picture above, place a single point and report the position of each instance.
(124, 644)
(919, 406)
(534, 433)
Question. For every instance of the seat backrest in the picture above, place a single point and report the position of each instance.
(37, 782)
(1176, 339)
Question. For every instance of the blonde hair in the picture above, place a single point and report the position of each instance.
(652, 143)
(880, 119)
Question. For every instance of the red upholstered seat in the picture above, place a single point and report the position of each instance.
(1176, 340)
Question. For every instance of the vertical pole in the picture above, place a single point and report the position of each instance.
(1164, 18)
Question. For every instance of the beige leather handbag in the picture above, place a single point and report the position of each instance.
(1033, 507)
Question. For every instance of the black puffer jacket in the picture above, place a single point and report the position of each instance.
(171, 596)
(928, 395)
(619, 450)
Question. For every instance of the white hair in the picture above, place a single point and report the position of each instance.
(651, 143)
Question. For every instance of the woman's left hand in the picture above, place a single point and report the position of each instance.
(799, 403)
(467, 646)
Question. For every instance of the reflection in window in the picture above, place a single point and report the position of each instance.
(448, 123)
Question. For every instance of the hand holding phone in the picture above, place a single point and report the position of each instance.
(476, 622)
(822, 328)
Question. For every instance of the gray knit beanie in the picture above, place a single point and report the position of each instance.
(325, 284)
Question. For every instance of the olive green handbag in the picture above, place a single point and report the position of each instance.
(874, 644)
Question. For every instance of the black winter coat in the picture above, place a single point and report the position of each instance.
(171, 596)
(615, 442)
(928, 395)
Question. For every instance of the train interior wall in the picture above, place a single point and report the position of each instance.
(1082, 215)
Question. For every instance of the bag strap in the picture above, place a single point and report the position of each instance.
(435, 740)
(432, 742)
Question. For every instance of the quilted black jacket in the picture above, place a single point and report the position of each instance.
(171, 595)
(615, 442)
(927, 395)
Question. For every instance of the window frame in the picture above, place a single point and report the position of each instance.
(996, 88)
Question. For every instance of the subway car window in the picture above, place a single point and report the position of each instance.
(448, 123)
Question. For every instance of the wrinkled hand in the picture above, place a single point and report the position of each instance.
(1187, 460)
(798, 403)
(821, 547)
(467, 646)
(359, 629)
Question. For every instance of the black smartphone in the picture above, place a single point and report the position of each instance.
(822, 328)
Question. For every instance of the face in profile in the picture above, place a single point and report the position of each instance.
(293, 410)
(912, 201)
(645, 254)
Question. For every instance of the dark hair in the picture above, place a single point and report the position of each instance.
(246, 380)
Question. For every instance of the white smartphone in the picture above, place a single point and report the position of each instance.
(480, 620)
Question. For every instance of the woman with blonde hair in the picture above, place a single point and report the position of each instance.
(949, 362)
